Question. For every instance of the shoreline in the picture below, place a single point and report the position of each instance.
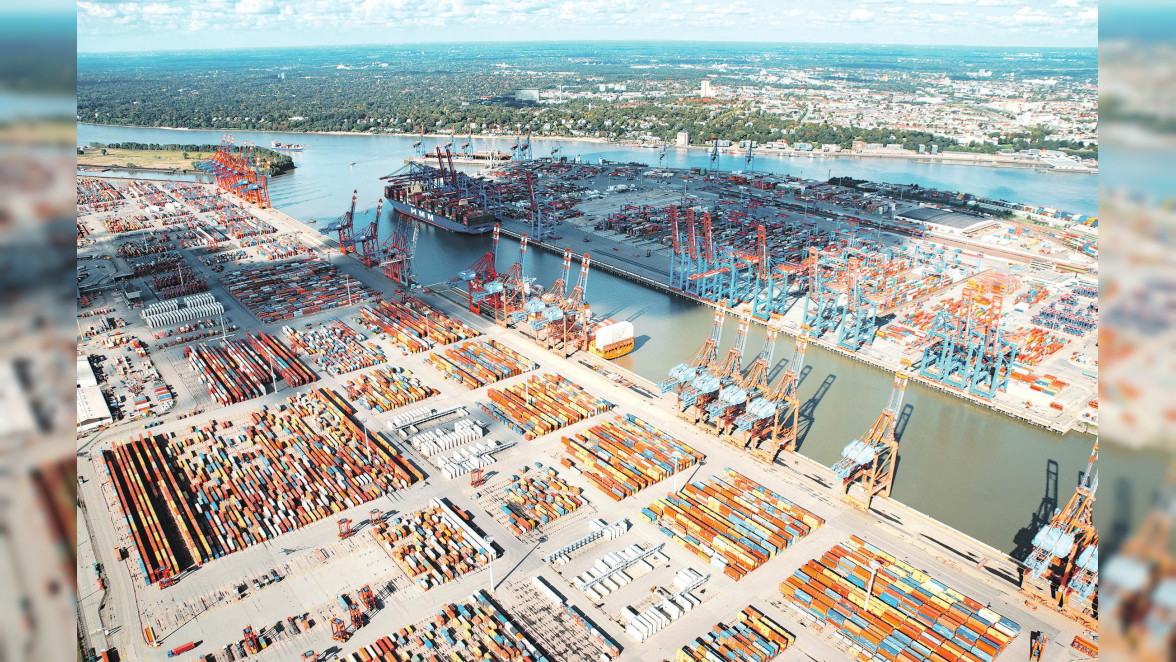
(942, 158)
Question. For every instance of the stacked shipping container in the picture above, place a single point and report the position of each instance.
(909, 616)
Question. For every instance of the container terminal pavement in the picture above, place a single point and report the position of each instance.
(343, 505)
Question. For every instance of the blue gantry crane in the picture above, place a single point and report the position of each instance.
(1065, 552)
(772, 416)
(870, 459)
(968, 349)
(706, 356)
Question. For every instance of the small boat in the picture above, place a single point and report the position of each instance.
(312, 221)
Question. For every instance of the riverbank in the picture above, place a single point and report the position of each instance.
(944, 158)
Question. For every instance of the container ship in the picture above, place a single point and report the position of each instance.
(442, 197)
(471, 159)
(286, 147)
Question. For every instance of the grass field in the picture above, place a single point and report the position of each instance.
(142, 158)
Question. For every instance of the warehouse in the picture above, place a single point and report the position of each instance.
(93, 411)
(943, 220)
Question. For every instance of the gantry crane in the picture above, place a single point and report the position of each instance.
(512, 287)
(344, 227)
(399, 249)
(418, 145)
(968, 350)
(549, 307)
(467, 147)
(1064, 554)
(750, 157)
(345, 530)
(773, 417)
(1037, 642)
(368, 597)
(525, 152)
(479, 275)
(537, 229)
(714, 154)
(870, 459)
(694, 398)
(366, 243)
(575, 322)
(339, 630)
(729, 403)
(252, 644)
(706, 356)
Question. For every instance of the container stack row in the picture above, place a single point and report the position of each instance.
(292, 289)
(480, 362)
(477, 629)
(733, 522)
(433, 546)
(408, 323)
(535, 501)
(335, 347)
(627, 455)
(386, 388)
(909, 616)
(753, 637)
(236, 369)
(222, 489)
(542, 404)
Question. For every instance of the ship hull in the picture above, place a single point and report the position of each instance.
(437, 220)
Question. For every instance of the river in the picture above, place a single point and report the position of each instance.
(973, 469)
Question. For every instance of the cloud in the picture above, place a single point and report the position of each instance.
(121, 23)
(861, 15)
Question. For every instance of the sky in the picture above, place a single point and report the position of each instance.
(118, 25)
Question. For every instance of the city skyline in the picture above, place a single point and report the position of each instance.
(105, 26)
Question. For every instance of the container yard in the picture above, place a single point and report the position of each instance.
(477, 363)
(532, 499)
(752, 637)
(913, 614)
(386, 389)
(294, 289)
(226, 487)
(334, 347)
(236, 370)
(732, 521)
(626, 455)
(412, 325)
(434, 546)
(354, 432)
(541, 405)
(477, 629)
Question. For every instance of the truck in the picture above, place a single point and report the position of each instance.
(182, 648)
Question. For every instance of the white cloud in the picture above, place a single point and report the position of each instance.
(861, 15)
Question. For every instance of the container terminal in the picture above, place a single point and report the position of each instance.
(289, 456)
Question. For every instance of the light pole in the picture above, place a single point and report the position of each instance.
(273, 378)
(875, 566)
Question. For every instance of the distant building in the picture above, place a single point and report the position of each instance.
(527, 95)
(723, 143)
(858, 145)
(831, 147)
(922, 148)
(705, 92)
(802, 147)
(934, 149)
(683, 139)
